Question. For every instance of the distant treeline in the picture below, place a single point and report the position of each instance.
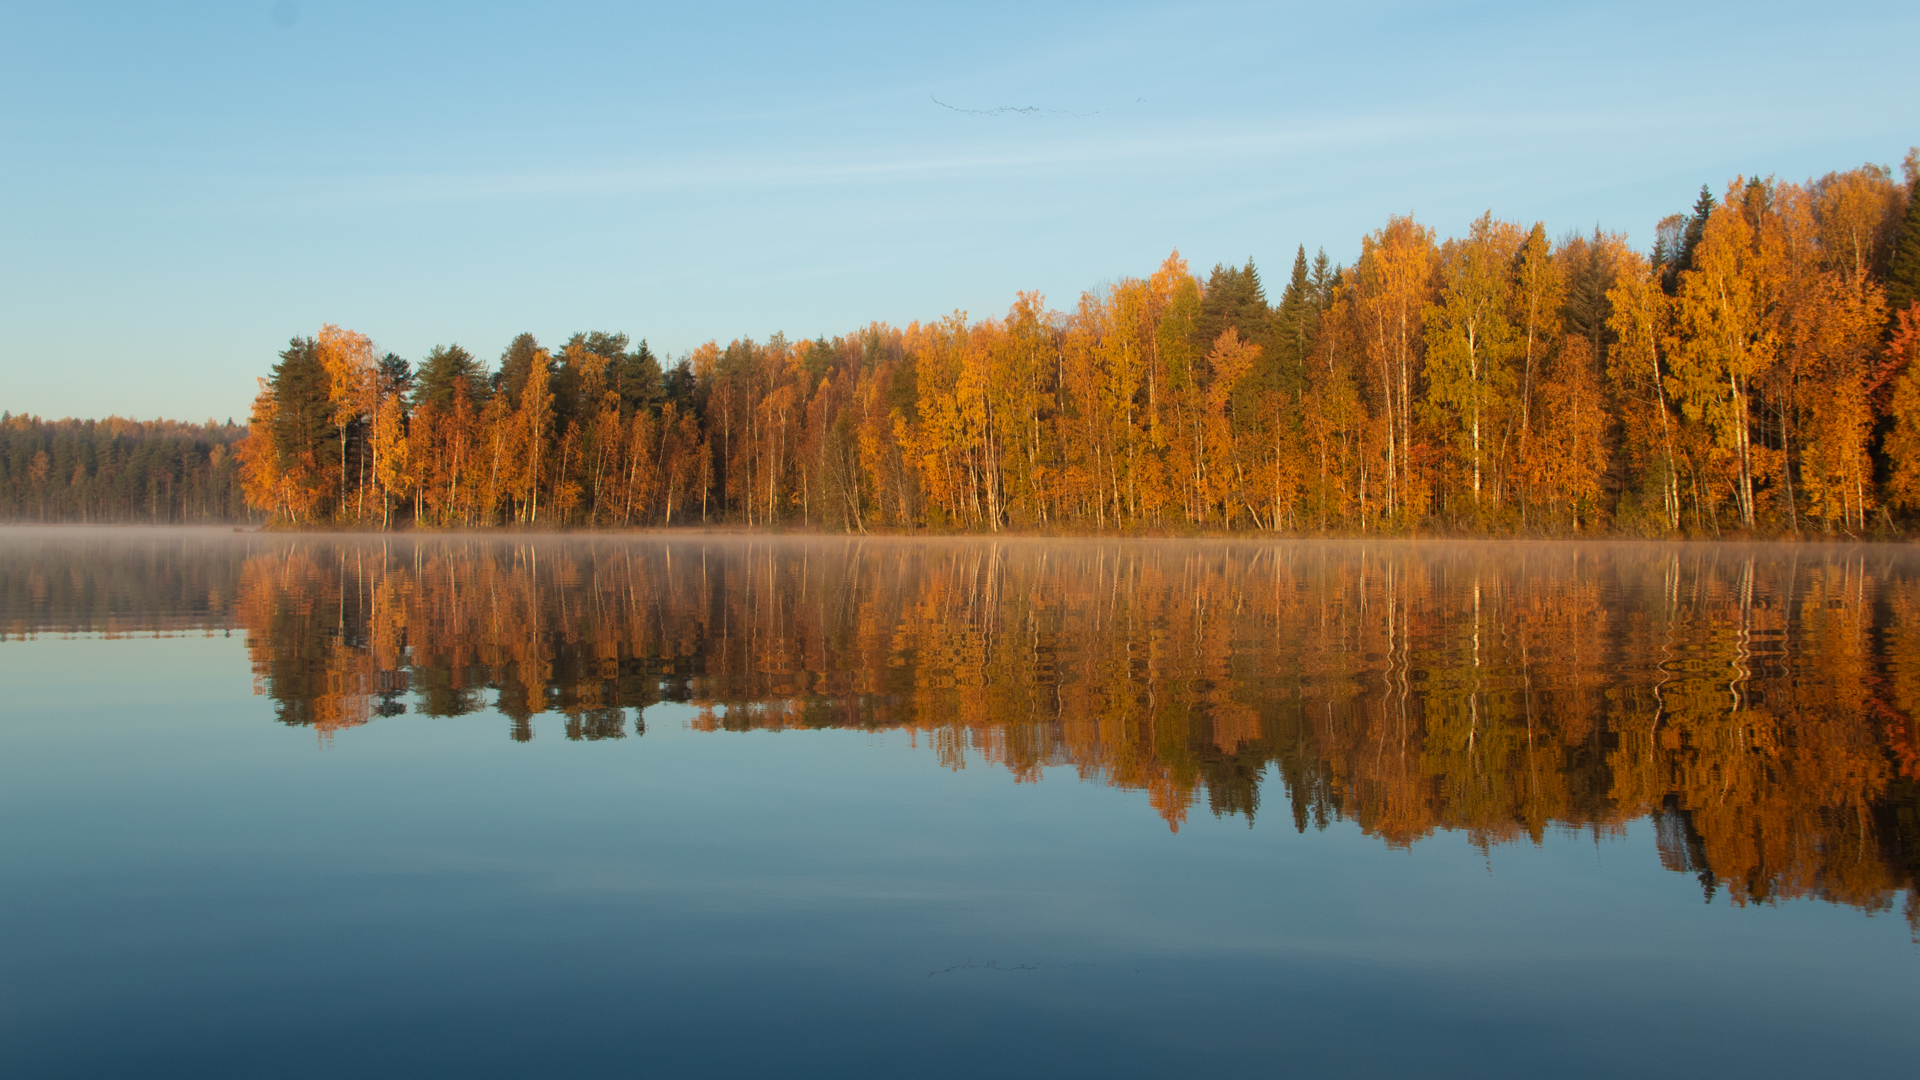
(1752, 373)
(120, 471)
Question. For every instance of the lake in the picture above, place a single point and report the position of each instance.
(472, 806)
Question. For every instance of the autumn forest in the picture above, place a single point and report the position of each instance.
(1753, 374)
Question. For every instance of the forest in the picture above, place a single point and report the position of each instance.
(1751, 375)
(119, 471)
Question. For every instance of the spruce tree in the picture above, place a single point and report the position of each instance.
(1903, 271)
(1696, 228)
(637, 379)
(1233, 298)
(1325, 277)
(1297, 316)
(1667, 238)
(681, 389)
(1586, 308)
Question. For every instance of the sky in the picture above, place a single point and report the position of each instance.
(184, 187)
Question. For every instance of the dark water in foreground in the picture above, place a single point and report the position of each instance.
(321, 807)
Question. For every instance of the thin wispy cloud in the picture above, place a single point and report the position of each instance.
(927, 162)
(1013, 110)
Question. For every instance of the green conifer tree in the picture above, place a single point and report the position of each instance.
(1235, 298)
(302, 422)
(1668, 236)
(1586, 308)
(1297, 317)
(1903, 270)
(443, 372)
(1325, 277)
(636, 377)
(1696, 228)
(303, 428)
(394, 376)
(515, 364)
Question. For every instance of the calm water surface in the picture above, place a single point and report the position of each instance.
(301, 806)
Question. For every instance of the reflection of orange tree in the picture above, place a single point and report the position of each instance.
(1761, 732)
(337, 634)
(1741, 701)
(1783, 804)
(302, 656)
(1901, 706)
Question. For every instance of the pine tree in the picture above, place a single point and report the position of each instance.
(295, 469)
(446, 370)
(302, 420)
(395, 376)
(515, 364)
(625, 374)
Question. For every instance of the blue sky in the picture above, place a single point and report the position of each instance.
(184, 187)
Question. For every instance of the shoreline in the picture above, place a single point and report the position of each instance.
(735, 531)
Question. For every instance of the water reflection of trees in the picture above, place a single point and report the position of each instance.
(1755, 703)
(117, 582)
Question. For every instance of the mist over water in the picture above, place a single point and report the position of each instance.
(1132, 805)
